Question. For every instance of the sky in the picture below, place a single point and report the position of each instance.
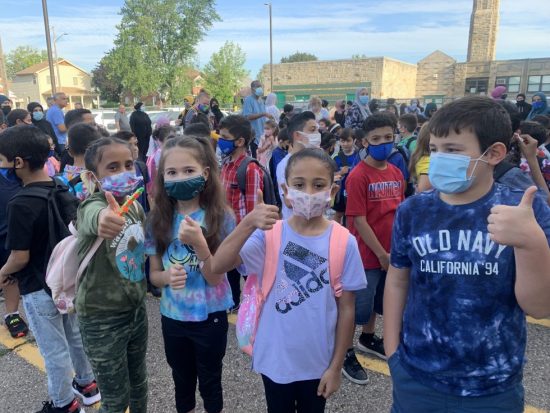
(407, 30)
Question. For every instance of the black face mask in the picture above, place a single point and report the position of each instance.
(6, 109)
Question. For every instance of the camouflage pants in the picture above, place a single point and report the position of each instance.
(116, 345)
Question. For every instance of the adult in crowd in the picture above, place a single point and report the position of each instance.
(271, 106)
(359, 110)
(140, 123)
(254, 110)
(5, 104)
(316, 106)
(523, 107)
(39, 120)
(18, 117)
(56, 117)
(431, 108)
(499, 93)
(202, 105)
(539, 106)
(122, 123)
(414, 107)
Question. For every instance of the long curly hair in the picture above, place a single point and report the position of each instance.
(212, 198)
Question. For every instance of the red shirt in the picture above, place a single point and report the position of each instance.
(241, 204)
(374, 194)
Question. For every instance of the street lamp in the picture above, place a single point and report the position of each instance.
(55, 54)
(270, 47)
(48, 44)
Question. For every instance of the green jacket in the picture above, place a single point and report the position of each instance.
(114, 280)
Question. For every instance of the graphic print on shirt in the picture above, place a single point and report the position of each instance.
(129, 248)
(381, 191)
(305, 273)
(182, 254)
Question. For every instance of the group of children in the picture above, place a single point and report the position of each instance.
(453, 270)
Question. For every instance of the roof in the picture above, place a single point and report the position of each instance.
(71, 91)
(31, 70)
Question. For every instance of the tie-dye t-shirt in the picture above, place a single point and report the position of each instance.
(197, 299)
(69, 173)
(463, 330)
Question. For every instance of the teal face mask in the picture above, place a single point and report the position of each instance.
(185, 189)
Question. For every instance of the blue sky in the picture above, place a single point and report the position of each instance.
(331, 29)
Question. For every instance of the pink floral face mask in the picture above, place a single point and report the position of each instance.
(308, 206)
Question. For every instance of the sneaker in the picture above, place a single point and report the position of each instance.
(72, 407)
(353, 370)
(371, 344)
(89, 393)
(16, 326)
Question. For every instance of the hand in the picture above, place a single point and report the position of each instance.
(263, 216)
(330, 383)
(6, 279)
(515, 226)
(384, 260)
(190, 232)
(175, 277)
(344, 170)
(110, 223)
(528, 146)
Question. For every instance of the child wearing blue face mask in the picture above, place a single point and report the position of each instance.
(468, 261)
(110, 300)
(375, 189)
(194, 318)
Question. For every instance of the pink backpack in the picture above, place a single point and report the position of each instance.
(254, 295)
(64, 270)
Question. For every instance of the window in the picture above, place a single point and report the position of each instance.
(511, 83)
(75, 81)
(539, 83)
(34, 80)
(476, 85)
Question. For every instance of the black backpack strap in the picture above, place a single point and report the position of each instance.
(241, 173)
(410, 141)
(501, 169)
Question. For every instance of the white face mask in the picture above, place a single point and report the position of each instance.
(313, 139)
(306, 205)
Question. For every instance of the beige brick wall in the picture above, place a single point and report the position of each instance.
(483, 31)
(435, 75)
(398, 80)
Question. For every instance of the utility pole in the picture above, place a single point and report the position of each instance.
(270, 47)
(49, 44)
(3, 74)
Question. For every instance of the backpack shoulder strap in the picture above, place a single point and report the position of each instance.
(337, 254)
(273, 239)
(241, 173)
(410, 141)
(501, 169)
(87, 258)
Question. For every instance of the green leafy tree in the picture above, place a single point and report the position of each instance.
(225, 72)
(299, 57)
(109, 84)
(358, 56)
(156, 40)
(22, 57)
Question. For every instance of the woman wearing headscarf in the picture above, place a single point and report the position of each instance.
(39, 120)
(217, 114)
(414, 107)
(271, 108)
(140, 122)
(539, 106)
(359, 110)
(431, 108)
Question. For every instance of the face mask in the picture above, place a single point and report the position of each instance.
(122, 184)
(203, 107)
(448, 173)
(10, 175)
(259, 91)
(185, 189)
(380, 152)
(413, 105)
(6, 109)
(306, 205)
(363, 99)
(314, 139)
(226, 146)
(38, 116)
(538, 105)
(51, 153)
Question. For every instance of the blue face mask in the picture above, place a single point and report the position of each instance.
(38, 116)
(185, 189)
(538, 105)
(259, 91)
(226, 146)
(364, 99)
(448, 173)
(10, 175)
(380, 152)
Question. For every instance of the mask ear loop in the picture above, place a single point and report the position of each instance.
(472, 176)
(87, 181)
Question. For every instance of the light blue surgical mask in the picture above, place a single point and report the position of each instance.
(364, 99)
(38, 116)
(448, 172)
(259, 91)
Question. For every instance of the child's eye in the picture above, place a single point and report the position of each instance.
(189, 171)
(170, 173)
(298, 186)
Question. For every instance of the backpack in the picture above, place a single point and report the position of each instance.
(501, 169)
(268, 187)
(409, 186)
(255, 295)
(405, 150)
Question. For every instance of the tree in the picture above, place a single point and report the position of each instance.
(225, 72)
(22, 57)
(109, 84)
(359, 56)
(156, 39)
(299, 57)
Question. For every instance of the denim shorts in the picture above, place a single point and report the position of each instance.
(370, 299)
(411, 396)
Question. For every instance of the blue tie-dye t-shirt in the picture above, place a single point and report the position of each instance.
(197, 299)
(463, 330)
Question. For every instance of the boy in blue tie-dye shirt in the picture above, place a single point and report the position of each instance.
(468, 261)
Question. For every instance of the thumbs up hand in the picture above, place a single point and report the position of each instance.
(514, 225)
(263, 216)
(110, 223)
(190, 232)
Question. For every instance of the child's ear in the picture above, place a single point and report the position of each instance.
(206, 173)
(285, 199)
(334, 190)
(18, 163)
(496, 153)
